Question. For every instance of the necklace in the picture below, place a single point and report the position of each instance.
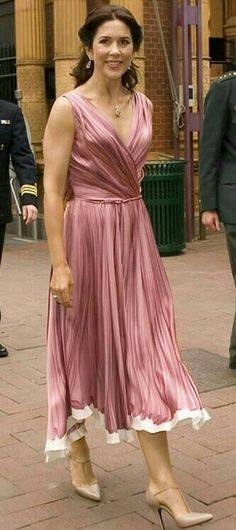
(117, 110)
(119, 107)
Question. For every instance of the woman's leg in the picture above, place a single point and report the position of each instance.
(161, 476)
(83, 477)
(156, 453)
(79, 452)
(163, 492)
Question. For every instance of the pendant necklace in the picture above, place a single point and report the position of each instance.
(117, 109)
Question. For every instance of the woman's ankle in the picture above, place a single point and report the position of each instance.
(80, 449)
(159, 484)
(170, 495)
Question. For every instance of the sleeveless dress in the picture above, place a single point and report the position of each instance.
(114, 353)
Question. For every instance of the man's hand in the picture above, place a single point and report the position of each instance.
(210, 219)
(29, 213)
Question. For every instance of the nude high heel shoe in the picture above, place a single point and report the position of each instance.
(84, 484)
(187, 520)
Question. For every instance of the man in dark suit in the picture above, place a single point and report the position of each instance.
(217, 170)
(14, 143)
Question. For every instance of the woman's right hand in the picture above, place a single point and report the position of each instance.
(61, 285)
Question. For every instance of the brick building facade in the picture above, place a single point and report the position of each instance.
(156, 79)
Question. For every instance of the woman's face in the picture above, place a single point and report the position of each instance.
(112, 49)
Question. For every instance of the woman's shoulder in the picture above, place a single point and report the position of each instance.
(143, 99)
(71, 95)
(75, 99)
(61, 113)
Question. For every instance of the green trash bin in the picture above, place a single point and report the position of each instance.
(163, 194)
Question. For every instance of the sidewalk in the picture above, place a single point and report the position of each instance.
(37, 496)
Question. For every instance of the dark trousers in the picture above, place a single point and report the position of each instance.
(230, 234)
(2, 235)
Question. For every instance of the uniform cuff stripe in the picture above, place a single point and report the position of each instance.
(28, 188)
(30, 192)
(32, 186)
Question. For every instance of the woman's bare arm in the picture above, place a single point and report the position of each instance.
(58, 141)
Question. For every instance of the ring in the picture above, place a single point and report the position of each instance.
(55, 296)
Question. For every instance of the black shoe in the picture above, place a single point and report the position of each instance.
(3, 351)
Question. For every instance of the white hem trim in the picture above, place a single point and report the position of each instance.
(60, 447)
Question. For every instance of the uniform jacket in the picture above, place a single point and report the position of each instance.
(14, 142)
(217, 162)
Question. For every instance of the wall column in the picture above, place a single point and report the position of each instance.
(136, 8)
(69, 16)
(30, 60)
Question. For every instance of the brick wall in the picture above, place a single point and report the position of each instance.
(156, 80)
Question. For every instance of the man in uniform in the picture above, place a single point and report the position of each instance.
(14, 143)
(217, 170)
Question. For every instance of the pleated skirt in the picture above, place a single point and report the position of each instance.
(114, 353)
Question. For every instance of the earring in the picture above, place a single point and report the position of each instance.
(89, 64)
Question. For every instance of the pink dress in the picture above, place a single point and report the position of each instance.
(114, 353)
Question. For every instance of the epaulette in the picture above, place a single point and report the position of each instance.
(228, 75)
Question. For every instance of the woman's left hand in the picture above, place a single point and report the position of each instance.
(61, 285)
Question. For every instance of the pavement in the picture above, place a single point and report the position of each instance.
(40, 496)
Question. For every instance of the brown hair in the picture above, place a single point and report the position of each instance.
(87, 33)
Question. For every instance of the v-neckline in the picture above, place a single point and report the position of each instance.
(108, 122)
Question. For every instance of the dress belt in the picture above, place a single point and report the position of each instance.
(108, 200)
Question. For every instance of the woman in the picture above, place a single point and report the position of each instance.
(112, 349)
